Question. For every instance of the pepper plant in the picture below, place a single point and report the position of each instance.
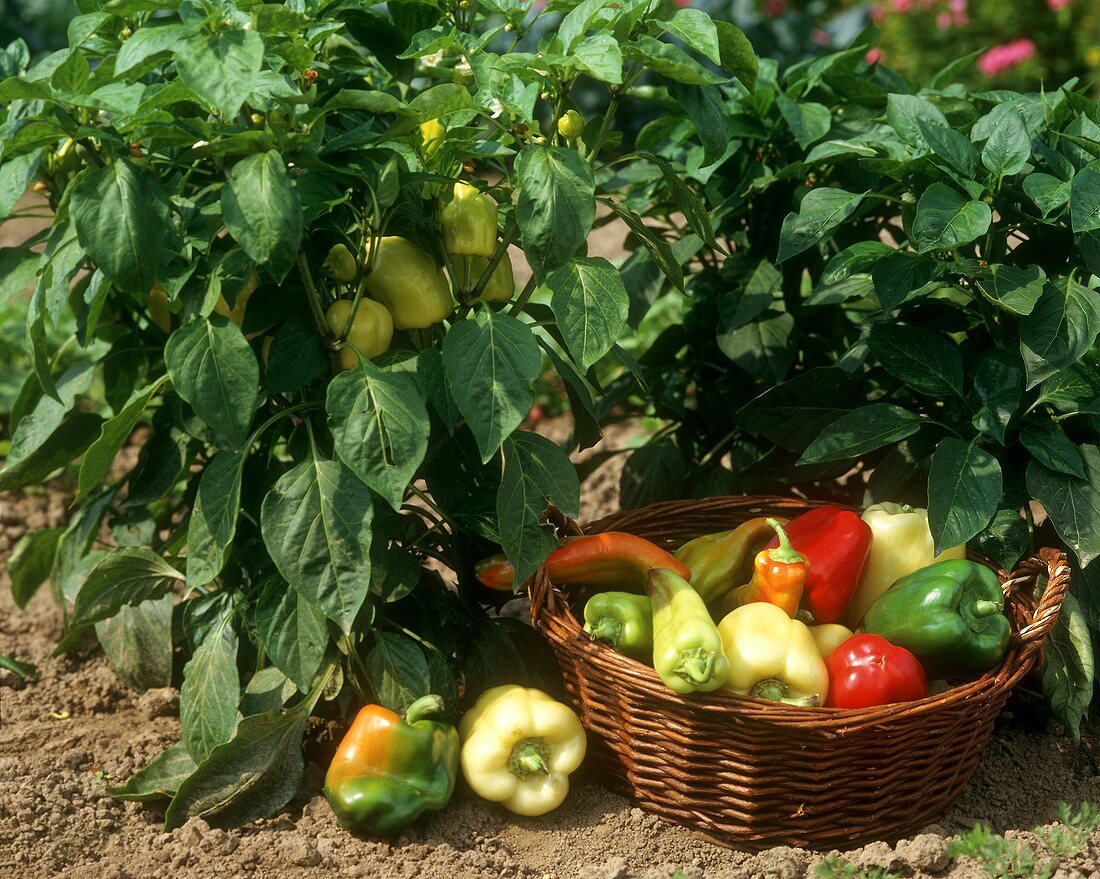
(909, 313)
(219, 175)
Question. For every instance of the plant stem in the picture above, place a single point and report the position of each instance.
(317, 310)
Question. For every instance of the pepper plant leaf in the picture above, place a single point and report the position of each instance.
(1073, 504)
(262, 211)
(591, 303)
(211, 687)
(214, 518)
(292, 632)
(964, 490)
(556, 205)
(859, 431)
(1069, 668)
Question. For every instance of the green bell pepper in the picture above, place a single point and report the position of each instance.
(949, 615)
(622, 621)
(389, 771)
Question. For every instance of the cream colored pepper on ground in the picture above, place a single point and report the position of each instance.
(901, 543)
(519, 747)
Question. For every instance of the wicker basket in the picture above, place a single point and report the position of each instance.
(750, 773)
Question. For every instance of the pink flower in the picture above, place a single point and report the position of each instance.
(1001, 58)
(944, 20)
(820, 37)
(774, 8)
(878, 14)
(1057, 5)
(683, 2)
(901, 6)
(873, 56)
(957, 6)
(961, 19)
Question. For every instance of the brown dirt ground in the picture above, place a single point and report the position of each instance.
(56, 818)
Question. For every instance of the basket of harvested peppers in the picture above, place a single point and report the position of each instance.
(777, 671)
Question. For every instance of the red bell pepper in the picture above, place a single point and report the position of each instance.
(837, 544)
(867, 670)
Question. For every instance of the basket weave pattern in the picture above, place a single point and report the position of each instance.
(752, 773)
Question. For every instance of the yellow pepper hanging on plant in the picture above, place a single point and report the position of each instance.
(407, 281)
(470, 222)
(370, 333)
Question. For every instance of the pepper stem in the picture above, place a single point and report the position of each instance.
(606, 629)
(529, 757)
(771, 688)
(983, 607)
(784, 553)
(696, 665)
(426, 706)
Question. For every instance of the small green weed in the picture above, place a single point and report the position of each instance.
(1001, 858)
(835, 867)
(1072, 835)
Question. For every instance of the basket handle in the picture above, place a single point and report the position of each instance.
(1041, 616)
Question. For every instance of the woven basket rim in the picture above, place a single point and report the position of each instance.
(1031, 623)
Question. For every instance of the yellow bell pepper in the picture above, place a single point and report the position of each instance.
(468, 270)
(829, 636)
(159, 311)
(370, 334)
(772, 656)
(407, 281)
(901, 543)
(519, 747)
(240, 304)
(431, 136)
(470, 222)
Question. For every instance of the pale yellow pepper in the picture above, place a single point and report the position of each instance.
(829, 636)
(240, 304)
(432, 133)
(519, 747)
(901, 543)
(370, 334)
(772, 656)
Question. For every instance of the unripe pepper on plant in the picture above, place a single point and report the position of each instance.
(723, 561)
(388, 770)
(159, 312)
(370, 334)
(407, 281)
(902, 544)
(613, 558)
(687, 649)
(772, 656)
(468, 270)
(571, 124)
(623, 621)
(240, 304)
(836, 543)
(432, 133)
(340, 264)
(948, 615)
(778, 578)
(867, 670)
(470, 222)
(519, 748)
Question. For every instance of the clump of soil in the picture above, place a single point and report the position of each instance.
(67, 736)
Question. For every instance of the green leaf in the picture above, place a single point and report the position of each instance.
(536, 473)
(695, 28)
(297, 356)
(398, 670)
(926, 361)
(859, 431)
(1069, 671)
(954, 148)
(380, 426)
(1062, 327)
(436, 388)
(211, 689)
(1005, 539)
(125, 576)
(793, 413)
(213, 368)
(121, 216)
(600, 56)
(764, 348)
(821, 211)
(590, 303)
(249, 777)
(659, 250)
(1008, 149)
(159, 779)
(906, 112)
(1048, 192)
(40, 423)
(15, 176)
(669, 60)
(704, 106)
(221, 69)
(491, 362)
(441, 100)
(1014, 289)
(146, 42)
(316, 526)
(556, 205)
(737, 55)
(31, 562)
(291, 631)
(261, 209)
(902, 276)
(66, 443)
(946, 219)
(652, 474)
(999, 385)
(112, 436)
(138, 643)
(809, 122)
(1073, 504)
(214, 518)
(756, 293)
(1047, 441)
(1084, 198)
(964, 490)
